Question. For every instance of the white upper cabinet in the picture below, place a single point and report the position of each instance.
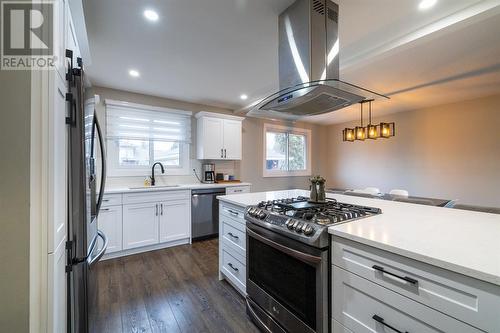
(232, 139)
(218, 136)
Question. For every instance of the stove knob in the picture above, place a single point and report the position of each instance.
(289, 223)
(304, 227)
(295, 224)
(261, 215)
(298, 228)
(309, 230)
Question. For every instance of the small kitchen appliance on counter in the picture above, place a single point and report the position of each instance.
(287, 261)
(208, 170)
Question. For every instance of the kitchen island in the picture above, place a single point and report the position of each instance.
(417, 268)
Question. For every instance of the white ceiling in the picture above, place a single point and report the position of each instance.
(210, 52)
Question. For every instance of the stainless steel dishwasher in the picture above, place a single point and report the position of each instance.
(205, 213)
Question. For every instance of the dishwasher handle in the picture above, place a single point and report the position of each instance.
(209, 191)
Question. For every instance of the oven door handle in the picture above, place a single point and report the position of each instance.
(305, 257)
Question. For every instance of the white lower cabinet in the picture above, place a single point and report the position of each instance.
(380, 291)
(232, 245)
(365, 307)
(140, 225)
(110, 223)
(146, 221)
(175, 220)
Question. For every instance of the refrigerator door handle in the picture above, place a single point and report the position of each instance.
(92, 260)
(103, 165)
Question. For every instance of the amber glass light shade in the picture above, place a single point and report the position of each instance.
(348, 134)
(372, 132)
(387, 130)
(360, 133)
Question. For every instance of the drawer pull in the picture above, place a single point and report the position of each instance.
(105, 200)
(104, 209)
(233, 212)
(380, 320)
(404, 278)
(234, 268)
(233, 236)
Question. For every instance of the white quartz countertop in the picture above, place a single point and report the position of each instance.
(124, 189)
(462, 241)
(246, 199)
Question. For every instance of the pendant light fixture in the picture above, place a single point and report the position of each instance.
(370, 131)
(361, 130)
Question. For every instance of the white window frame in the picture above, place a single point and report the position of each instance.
(112, 153)
(290, 130)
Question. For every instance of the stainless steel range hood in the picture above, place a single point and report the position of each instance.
(309, 65)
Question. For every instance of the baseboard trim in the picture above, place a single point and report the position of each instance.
(143, 249)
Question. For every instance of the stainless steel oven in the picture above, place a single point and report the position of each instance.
(287, 283)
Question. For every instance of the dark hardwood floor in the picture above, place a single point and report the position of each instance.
(170, 290)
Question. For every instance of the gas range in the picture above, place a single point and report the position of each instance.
(303, 220)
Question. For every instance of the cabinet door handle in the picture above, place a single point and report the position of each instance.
(380, 320)
(156, 209)
(234, 268)
(404, 278)
(222, 153)
(225, 153)
(234, 236)
(161, 209)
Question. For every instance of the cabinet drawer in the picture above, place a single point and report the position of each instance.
(111, 200)
(233, 237)
(461, 297)
(234, 269)
(356, 302)
(233, 212)
(155, 196)
(237, 189)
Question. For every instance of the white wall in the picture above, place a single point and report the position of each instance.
(249, 169)
(450, 151)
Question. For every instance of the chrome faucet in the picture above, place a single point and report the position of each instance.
(153, 181)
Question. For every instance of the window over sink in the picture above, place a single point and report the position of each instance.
(287, 151)
(139, 135)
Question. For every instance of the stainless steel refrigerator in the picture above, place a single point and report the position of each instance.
(87, 174)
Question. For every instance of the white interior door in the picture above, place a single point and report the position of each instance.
(140, 225)
(232, 139)
(175, 221)
(212, 138)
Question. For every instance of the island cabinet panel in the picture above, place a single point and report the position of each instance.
(365, 307)
(472, 301)
(175, 220)
(140, 225)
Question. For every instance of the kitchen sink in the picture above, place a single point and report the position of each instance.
(156, 186)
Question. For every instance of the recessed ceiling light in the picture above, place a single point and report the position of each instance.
(151, 15)
(133, 73)
(243, 97)
(426, 4)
